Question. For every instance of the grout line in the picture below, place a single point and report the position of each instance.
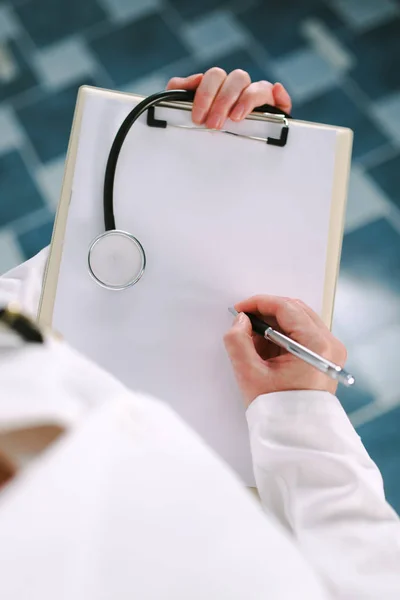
(325, 43)
(27, 97)
(392, 211)
(99, 69)
(98, 29)
(355, 93)
(30, 221)
(259, 54)
(176, 24)
(101, 74)
(239, 6)
(30, 159)
(378, 155)
(372, 411)
(180, 66)
(173, 14)
(28, 46)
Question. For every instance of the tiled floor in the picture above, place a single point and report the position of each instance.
(340, 59)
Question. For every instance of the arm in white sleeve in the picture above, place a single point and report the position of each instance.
(23, 284)
(314, 474)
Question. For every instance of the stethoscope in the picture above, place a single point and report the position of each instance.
(116, 258)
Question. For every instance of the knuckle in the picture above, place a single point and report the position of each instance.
(241, 75)
(290, 303)
(230, 337)
(300, 302)
(323, 346)
(340, 351)
(222, 100)
(264, 85)
(217, 72)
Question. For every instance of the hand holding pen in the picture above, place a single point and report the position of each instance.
(261, 366)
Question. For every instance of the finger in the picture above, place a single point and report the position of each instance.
(281, 98)
(290, 315)
(313, 315)
(254, 95)
(240, 345)
(206, 93)
(264, 305)
(185, 83)
(264, 348)
(228, 94)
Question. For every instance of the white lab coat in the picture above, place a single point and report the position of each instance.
(129, 503)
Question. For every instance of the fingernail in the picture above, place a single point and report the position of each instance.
(216, 122)
(280, 93)
(198, 116)
(238, 113)
(240, 319)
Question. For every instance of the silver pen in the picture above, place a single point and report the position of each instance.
(310, 357)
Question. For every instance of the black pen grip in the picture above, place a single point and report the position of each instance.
(257, 324)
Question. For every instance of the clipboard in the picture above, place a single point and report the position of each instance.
(110, 108)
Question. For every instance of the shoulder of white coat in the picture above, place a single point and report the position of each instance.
(23, 284)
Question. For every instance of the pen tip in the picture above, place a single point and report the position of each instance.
(233, 311)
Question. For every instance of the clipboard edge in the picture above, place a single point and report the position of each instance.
(336, 225)
(50, 279)
(342, 169)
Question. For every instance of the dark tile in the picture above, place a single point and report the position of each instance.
(387, 175)
(354, 398)
(49, 20)
(24, 78)
(190, 10)
(336, 108)
(18, 193)
(382, 440)
(31, 242)
(277, 23)
(48, 121)
(368, 290)
(239, 59)
(378, 59)
(138, 49)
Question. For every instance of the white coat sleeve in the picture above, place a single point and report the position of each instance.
(315, 475)
(23, 284)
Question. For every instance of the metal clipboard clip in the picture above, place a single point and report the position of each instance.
(260, 114)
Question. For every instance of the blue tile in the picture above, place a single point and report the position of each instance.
(240, 59)
(24, 78)
(277, 24)
(49, 20)
(138, 48)
(387, 175)
(18, 193)
(378, 65)
(48, 121)
(354, 398)
(31, 242)
(373, 252)
(367, 13)
(369, 281)
(336, 108)
(382, 440)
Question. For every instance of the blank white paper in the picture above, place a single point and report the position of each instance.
(220, 219)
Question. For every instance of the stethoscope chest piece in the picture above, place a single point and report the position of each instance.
(116, 260)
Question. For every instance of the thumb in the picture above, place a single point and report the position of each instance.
(239, 343)
(185, 83)
(282, 98)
